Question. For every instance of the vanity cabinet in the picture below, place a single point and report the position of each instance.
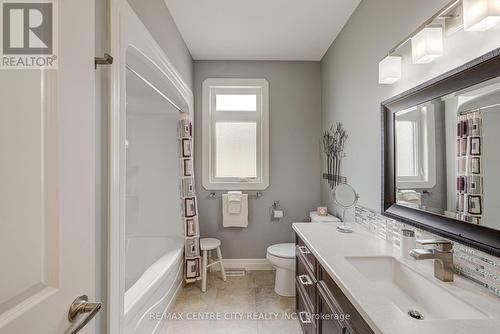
(322, 308)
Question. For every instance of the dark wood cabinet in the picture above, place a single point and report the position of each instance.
(306, 281)
(307, 256)
(329, 315)
(305, 314)
(322, 307)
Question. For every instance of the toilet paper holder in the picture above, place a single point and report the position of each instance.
(276, 211)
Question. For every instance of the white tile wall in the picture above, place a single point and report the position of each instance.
(473, 264)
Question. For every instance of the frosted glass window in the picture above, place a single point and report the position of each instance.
(406, 148)
(236, 102)
(416, 148)
(236, 150)
(235, 134)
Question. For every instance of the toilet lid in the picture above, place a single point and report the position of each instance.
(286, 251)
(315, 218)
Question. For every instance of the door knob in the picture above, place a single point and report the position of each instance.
(82, 305)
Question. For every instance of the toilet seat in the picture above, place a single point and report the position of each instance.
(284, 251)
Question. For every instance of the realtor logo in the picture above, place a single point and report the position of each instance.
(29, 39)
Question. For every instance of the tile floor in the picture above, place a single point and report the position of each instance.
(251, 296)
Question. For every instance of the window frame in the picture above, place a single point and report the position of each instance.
(213, 86)
(424, 118)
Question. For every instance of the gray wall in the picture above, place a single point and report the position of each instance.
(350, 90)
(156, 17)
(295, 116)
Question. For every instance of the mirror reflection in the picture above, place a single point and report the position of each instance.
(448, 155)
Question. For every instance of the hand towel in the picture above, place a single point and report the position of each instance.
(234, 202)
(235, 196)
(409, 196)
(232, 219)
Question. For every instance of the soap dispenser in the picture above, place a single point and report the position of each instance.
(407, 242)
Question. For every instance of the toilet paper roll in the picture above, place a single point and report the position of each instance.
(278, 213)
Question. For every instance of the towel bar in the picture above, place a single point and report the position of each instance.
(257, 195)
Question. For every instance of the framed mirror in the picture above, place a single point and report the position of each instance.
(441, 155)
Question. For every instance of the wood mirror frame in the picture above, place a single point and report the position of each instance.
(474, 72)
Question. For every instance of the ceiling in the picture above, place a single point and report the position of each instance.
(260, 29)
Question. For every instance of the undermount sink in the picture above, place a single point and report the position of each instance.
(412, 292)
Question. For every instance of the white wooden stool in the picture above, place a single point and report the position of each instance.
(206, 245)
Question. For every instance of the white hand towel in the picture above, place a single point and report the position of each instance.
(409, 196)
(235, 220)
(234, 202)
(234, 196)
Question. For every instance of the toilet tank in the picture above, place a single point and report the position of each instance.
(315, 218)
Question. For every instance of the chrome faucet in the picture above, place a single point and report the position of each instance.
(442, 254)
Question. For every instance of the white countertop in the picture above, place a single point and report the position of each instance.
(331, 249)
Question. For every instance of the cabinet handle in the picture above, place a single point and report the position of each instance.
(305, 280)
(308, 317)
(304, 250)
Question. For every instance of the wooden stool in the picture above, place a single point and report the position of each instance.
(206, 245)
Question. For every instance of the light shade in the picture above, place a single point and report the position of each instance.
(481, 15)
(427, 45)
(389, 70)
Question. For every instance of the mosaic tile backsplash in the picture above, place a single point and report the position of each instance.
(478, 266)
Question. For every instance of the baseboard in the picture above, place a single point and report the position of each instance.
(247, 264)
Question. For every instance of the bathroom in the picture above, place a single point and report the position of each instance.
(250, 167)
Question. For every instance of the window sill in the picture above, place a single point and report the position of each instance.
(415, 184)
(235, 186)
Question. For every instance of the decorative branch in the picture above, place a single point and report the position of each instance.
(333, 146)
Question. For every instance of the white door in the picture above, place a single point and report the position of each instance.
(47, 183)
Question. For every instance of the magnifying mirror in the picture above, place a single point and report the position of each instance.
(345, 197)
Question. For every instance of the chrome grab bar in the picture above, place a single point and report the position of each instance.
(82, 305)
(308, 319)
(305, 280)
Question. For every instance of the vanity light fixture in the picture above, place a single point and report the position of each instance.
(427, 39)
(389, 70)
(481, 15)
(427, 45)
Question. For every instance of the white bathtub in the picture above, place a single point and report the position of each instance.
(153, 277)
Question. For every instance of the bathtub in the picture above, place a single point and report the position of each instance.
(153, 276)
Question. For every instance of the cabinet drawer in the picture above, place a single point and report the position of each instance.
(309, 258)
(306, 280)
(304, 314)
(355, 324)
(330, 315)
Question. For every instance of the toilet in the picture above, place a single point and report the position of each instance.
(282, 258)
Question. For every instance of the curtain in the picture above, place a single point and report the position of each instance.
(192, 259)
(469, 167)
